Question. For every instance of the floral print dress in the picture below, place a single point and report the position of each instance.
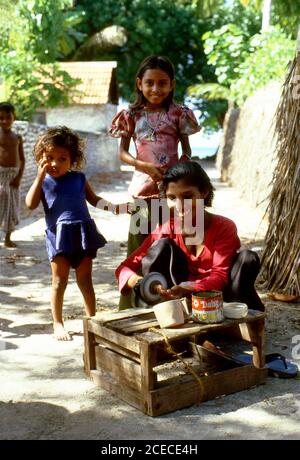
(156, 135)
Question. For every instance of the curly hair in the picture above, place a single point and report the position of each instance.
(61, 136)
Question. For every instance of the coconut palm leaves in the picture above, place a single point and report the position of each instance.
(281, 257)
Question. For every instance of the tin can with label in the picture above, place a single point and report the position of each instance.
(207, 307)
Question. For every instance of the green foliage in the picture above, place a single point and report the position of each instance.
(226, 48)
(25, 47)
(267, 61)
(165, 27)
(242, 66)
(247, 19)
(226, 42)
(284, 13)
(38, 32)
(205, 8)
(51, 30)
(7, 14)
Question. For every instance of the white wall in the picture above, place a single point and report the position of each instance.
(247, 155)
(101, 152)
(88, 118)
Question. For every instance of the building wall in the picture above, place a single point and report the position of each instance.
(87, 118)
(246, 157)
(101, 152)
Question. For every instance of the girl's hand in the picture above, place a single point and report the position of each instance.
(176, 292)
(133, 280)
(43, 168)
(15, 182)
(155, 172)
(184, 157)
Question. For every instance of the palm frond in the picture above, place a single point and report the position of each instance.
(281, 257)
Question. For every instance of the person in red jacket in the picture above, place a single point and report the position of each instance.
(194, 249)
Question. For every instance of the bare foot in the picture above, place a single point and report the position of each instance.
(60, 333)
(10, 244)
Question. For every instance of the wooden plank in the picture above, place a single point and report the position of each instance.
(142, 326)
(253, 332)
(190, 328)
(257, 334)
(181, 347)
(187, 391)
(89, 348)
(124, 370)
(129, 343)
(148, 359)
(129, 321)
(149, 377)
(106, 317)
(220, 361)
(118, 349)
(179, 332)
(106, 380)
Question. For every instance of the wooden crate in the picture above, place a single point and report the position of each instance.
(125, 356)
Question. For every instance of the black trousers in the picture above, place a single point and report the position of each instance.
(166, 257)
(242, 276)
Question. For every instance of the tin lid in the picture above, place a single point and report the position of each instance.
(207, 294)
(235, 310)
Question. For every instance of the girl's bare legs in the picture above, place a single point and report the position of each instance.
(60, 274)
(7, 242)
(85, 284)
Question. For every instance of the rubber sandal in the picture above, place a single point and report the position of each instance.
(278, 366)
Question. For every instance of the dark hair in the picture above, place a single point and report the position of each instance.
(153, 62)
(7, 107)
(192, 174)
(61, 136)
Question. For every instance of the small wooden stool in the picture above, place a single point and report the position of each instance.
(126, 356)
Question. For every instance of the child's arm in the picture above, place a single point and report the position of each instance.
(148, 168)
(185, 146)
(101, 203)
(17, 179)
(33, 196)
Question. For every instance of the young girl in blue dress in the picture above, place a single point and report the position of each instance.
(72, 238)
(157, 125)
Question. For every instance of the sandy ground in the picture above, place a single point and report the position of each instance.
(44, 391)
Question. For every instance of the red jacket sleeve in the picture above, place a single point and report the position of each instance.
(226, 243)
(132, 264)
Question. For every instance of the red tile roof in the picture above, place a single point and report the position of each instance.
(97, 86)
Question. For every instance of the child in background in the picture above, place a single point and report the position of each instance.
(156, 124)
(72, 238)
(12, 163)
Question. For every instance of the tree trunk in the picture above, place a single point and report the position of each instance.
(266, 15)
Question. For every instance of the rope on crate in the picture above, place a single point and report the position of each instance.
(171, 350)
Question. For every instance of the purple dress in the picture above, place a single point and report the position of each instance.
(70, 230)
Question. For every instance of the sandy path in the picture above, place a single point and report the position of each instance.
(44, 392)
